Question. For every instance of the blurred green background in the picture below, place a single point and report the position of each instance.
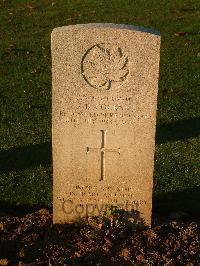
(25, 95)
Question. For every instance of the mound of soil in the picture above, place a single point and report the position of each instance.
(34, 240)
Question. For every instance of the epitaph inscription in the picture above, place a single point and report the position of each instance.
(105, 82)
(101, 109)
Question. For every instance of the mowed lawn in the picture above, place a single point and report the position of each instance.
(25, 95)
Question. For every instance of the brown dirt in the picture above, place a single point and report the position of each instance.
(34, 240)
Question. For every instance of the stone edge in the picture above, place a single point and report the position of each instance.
(108, 25)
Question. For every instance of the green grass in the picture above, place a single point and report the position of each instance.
(25, 94)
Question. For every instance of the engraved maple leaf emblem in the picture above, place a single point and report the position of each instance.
(102, 65)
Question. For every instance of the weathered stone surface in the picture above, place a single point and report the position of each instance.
(104, 114)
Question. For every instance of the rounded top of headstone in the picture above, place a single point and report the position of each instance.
(108, 25)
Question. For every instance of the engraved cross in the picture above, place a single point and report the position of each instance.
(103, 151)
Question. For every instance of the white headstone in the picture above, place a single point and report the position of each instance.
(105, 81)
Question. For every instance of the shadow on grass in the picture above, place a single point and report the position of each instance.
(180, 130)
(185, 201)
(19, 210)
(26, 157)
(31, 156)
